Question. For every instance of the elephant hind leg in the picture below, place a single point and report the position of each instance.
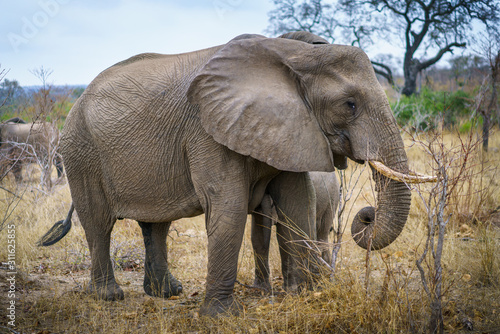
(98, 221)
(158, 281)
(103, 283)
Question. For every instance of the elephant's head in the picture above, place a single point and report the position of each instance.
(307, 107)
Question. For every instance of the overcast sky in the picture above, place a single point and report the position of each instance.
(77, 39)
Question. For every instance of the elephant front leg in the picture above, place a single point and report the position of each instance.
(17, 169)
(11, 161)
(225, 234)
(323, 232)
(158, 281)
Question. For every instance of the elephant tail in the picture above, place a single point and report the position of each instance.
(58, 231)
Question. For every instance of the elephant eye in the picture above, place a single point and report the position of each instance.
(351, 105)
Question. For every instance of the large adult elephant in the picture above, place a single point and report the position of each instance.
(159, 137)
(22, 143)
(326, 188)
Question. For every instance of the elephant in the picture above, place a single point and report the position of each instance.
(156, 138)
(327, 192)
(22, 142)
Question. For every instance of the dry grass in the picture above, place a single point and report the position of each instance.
(50, 280)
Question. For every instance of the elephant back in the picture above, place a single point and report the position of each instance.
(16, 120)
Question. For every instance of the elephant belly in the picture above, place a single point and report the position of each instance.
(155, 201)
(148, 187)
(157, 212)
(142, 192)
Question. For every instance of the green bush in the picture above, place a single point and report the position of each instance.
(427, 109)
(470, 123)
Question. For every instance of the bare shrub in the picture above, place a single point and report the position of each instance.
(460, 168)
(348, 189)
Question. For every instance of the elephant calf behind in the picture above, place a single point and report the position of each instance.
(327, 192)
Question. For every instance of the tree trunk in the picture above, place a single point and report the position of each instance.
(486, 129)
(436, 324)
(412, 68)
(492, 105)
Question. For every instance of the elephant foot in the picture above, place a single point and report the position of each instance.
(109, 291)
(296, 286)
(220, 307)
(297, 280)
(262, 283)
(166, 287)
(293, 287)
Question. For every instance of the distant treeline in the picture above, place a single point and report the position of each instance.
(17, 100)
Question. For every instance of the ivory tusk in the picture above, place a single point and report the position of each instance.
(412, 177)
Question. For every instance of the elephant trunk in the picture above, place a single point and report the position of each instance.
(378, 227)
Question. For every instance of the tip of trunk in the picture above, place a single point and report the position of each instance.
(365, 233)
(362, 229)
(376, 228)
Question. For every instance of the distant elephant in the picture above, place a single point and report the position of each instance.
(327, 192)
(156, 138)
(22, 143)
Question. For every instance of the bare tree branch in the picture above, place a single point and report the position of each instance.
(428, 24)
(385, 72)
(440, 54)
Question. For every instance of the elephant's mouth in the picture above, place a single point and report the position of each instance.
(343, 150)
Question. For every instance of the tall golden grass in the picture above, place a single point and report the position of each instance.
(384, 294)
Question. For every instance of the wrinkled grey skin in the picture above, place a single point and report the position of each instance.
(156, 138)
(15, 134)
(327, 192)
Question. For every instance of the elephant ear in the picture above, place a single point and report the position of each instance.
(250, 101)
